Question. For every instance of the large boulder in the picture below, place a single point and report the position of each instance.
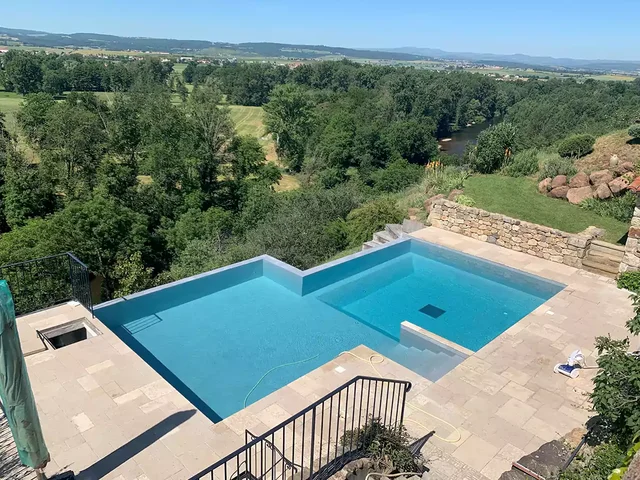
(544, 186)
(603, 192)
(558, 181)
(580, 179)
(430, 201)
(625, 167)
(455, 193)
(618, 185)
(559, 192)
(577, 195)
(600, 177)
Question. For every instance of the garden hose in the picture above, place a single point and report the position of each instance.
(276, 368)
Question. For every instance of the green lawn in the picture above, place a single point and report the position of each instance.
(9, 105)
(519, 198)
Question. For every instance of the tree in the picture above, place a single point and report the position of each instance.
(23, 72)
(213, 128)
(414, 140)
(72, 146)
(289, 117)
(27, 193)
(55, 82)
(131, 275)
(181, 90)
(398, 175)
(634, 131)
(214, 224)
(33, 115)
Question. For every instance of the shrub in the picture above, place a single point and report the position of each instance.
(465, 200)
(398, 175)
(597, 465)
(555, 165)
(441, 179)
(372, 217)
(523, 164)
(630, 281)
(634, 130)
(620, 208)
(387, 447)
(494, 148)
(576, 145)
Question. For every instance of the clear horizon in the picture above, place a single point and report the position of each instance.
(548, 28)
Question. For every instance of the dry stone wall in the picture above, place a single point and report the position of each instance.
(631, 258)
(537, 240)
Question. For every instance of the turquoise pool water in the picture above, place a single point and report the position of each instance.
(214, 336)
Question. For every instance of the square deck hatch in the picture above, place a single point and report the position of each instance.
(68, 333)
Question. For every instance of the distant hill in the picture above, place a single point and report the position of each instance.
(36, 38)
(113, 42)
(520, 59)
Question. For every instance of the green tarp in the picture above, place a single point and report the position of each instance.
(15, 388)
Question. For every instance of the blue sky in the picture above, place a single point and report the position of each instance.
(559, 28)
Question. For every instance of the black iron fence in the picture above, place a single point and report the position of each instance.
(318, 441)
(47, 281)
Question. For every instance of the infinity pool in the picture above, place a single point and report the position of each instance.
(215, 335)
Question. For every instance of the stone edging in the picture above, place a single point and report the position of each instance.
(537, 240)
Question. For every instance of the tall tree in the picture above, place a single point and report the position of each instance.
(23, 72)
(289, 117)
(213, 128)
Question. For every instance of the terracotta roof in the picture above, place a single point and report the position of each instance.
(635, 185)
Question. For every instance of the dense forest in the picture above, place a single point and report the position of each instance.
(155, 184)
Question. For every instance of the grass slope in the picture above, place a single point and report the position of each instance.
(519, 198)
(617, 143)
(250, 121)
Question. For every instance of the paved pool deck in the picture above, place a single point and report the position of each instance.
(107, 414)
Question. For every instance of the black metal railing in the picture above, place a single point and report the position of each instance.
(318, 441)
(48, 281)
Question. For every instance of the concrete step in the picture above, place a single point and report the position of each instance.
(394, 229)
(607, 245)
(370, 244)
(600, 266)
(383, 237)
(410, 226)
(604, 247)
(611, 255)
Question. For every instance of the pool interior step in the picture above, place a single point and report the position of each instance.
(426, 363)
(603, 258)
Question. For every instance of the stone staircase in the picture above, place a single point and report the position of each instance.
(392, 232)
(603, 258)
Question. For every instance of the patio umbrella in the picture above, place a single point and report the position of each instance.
(15, 389)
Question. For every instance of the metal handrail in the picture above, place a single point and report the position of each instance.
(393, 415)
(48, 281)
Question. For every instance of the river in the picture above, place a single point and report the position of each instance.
(459, 139)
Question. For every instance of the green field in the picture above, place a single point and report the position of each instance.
(519, 198)
(9, 105)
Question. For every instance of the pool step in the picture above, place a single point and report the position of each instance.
(370, 244)
(383, 237)
(394, 229)
(426, 363)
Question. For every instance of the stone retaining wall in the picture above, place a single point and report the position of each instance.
(537, 240)
(631, 259)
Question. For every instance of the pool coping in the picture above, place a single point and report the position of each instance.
(300, 275)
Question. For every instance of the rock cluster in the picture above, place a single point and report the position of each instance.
(537, 240)
(601, 184)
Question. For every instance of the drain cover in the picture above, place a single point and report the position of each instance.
(432, 311)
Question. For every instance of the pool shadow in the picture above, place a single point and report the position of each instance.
(133, 447)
